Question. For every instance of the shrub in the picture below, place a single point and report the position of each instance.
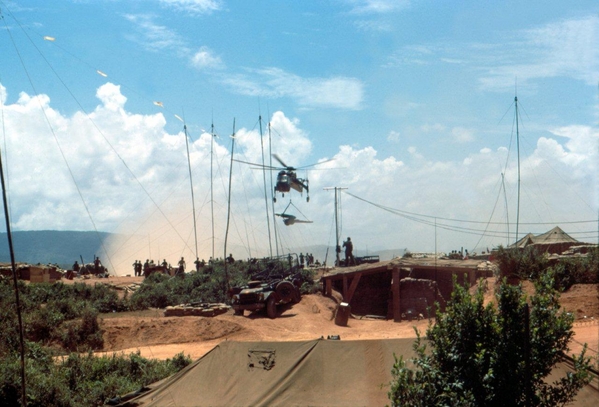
(478, 353)
(525, 263)
(84, 334)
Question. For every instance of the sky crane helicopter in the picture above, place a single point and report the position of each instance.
(287, 178)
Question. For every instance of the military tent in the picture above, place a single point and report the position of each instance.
(308, 373)
(553, 241)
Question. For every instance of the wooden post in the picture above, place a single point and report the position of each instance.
(395, 294)
(328, 287)
(352, 287)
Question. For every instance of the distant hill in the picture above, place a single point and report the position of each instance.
(52, 246)
(64, 247)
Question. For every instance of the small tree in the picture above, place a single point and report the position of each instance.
(485, 356)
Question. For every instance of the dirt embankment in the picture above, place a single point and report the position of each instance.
(156, 336)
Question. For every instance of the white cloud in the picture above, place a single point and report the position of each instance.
(432, 128)
(462, 135)
(393, 136)
(374, 26)
(559, 183)
(111, 97)
(336, 92)
(152, 36)
(377, 6)
(3, 94)
(193, 6)
(205, 58)
(565, 48)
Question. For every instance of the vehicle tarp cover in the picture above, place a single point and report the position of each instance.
(308, 373)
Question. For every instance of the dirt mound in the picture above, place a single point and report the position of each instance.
(129, 332)
(156, 336)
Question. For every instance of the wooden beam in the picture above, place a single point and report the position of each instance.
(395, 294)
(328, 289)
(352, 287)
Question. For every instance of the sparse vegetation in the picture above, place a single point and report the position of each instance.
(79, 380)
(208, 285)
(478, 353)
(59, 318)
(529, 264)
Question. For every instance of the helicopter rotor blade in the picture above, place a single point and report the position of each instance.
(276, 157)
(312, 165)
(258, 166)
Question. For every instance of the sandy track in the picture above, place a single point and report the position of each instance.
(156, 336)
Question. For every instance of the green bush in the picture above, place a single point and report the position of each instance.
(83, 334)
(525, 263)
(478, 352)
(80, 380)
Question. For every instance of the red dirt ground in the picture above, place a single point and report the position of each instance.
(157, 336)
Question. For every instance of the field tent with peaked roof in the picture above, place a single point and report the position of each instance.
(553, 241)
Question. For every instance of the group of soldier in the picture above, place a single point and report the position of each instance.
(145, 269)
(307, 259)
(98, 269)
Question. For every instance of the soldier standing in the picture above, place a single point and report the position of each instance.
(181, 266)
(97, 265)
(349, 248)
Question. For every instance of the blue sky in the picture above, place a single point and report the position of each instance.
(413, 99)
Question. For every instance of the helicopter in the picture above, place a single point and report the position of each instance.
(287, 178)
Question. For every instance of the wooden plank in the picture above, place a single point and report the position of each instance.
(352, 287)
(395, 294)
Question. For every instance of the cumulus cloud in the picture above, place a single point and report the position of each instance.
(133, 179)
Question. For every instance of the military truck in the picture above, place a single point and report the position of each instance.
(277, 282)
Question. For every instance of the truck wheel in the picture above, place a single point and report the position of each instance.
(297, 296)
(271, 307)
(285, 290)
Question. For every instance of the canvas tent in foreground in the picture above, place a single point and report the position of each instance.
(309, 373)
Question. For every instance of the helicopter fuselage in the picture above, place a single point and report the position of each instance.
(286, 180)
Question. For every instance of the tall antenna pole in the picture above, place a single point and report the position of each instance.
(193, 204)
(212, 184)
(507, 214)
(518, 149)
(14, 276)
(264, 179)
(337, 232)
(229, 206)
(271, 190)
